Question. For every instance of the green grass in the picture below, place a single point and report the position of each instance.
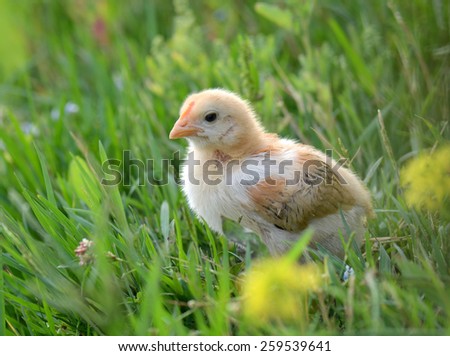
(317, 71)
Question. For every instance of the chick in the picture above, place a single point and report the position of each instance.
(273, 186)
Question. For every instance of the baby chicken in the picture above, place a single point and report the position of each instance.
(273, 186)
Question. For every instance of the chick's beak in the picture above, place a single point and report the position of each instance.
(183, 128)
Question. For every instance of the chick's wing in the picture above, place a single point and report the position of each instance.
(290, 204)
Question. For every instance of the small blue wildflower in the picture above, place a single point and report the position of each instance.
(69, 109)
(29, 128)
(348, 272)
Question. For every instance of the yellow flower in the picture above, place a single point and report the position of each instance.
(277, 289)
(426, 180)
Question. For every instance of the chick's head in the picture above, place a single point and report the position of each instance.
(216, 118)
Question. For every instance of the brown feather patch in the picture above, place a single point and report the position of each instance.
(292, 207)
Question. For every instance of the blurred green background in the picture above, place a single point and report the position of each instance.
(81, 81)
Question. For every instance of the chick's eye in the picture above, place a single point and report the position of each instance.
(211, 117)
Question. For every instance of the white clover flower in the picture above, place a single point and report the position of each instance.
(84, 253)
